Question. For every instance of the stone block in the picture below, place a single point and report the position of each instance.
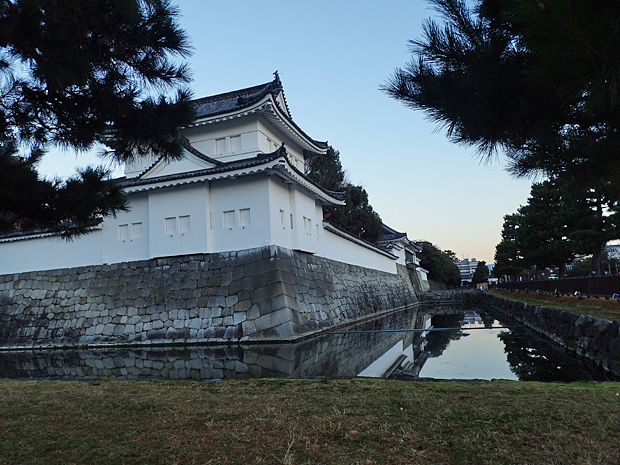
(258, 267)
(235, 287)
(272, 319)
(233, 332)
(239, 317)
(242, 306)
(264, 308)
(283, 301)
(266, 293)
(259, 281)
(156, 334)
(217, 301)
(248, 327)
(226, 278)
(253, 312)
(183, 333)
(186, 294)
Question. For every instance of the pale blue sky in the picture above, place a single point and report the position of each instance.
(332, 57)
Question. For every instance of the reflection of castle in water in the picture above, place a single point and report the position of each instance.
(339, 355)
(395, 345)
(370, 349)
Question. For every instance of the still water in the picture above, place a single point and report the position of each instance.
(410, 344)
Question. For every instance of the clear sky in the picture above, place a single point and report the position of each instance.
(332, 57)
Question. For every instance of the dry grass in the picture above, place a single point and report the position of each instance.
(309, 422)
(598, 307)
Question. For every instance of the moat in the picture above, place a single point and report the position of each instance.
(455, 343)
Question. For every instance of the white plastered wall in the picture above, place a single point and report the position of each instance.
(126, 237)
(48, 253)
(341, 249)
(178, 220)
(240, 214)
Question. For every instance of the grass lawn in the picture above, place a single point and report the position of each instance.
(598, 307)
(309, 422)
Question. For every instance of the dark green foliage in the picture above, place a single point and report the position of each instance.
(508, 258)
(67, 207)
(480, 273)
(440, 264)
(327, 170)
(539, 79)
(559, 221)
(529, 76)
(546, 226)
(580, 268)
(357, 215)
(82, 75)
(539, 234)
(76, 73)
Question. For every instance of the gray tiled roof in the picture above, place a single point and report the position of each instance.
(389, 234)
(230, 166)
(222, 168)
(231, 101)
(219, 104)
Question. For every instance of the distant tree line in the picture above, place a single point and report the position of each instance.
(558, 223)
(440, 264)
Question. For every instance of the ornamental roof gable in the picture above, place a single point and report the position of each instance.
(236, 100)
(191, 160)
(272, 163)
(391, 238)
(235, 103)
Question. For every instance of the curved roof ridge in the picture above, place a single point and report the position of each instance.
(236, 100)
(244, 163)
(187, 145)
(334, 194)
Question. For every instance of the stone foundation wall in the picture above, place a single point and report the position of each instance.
(261, 294)
(327, 355)
(593, 338)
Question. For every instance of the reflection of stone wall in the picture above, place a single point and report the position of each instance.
(593, 338)
(329, 355)
(268, 293)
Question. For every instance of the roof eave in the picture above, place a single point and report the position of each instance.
(268, 106)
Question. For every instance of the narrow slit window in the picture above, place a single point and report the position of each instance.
(235, 144)
(220, 145)
(123, 232)
(229, 219)
(136, 230)
(282, 219)
(170, 225)
(244, 217)
(184, 224)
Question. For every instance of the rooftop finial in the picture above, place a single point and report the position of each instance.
(276, 78)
